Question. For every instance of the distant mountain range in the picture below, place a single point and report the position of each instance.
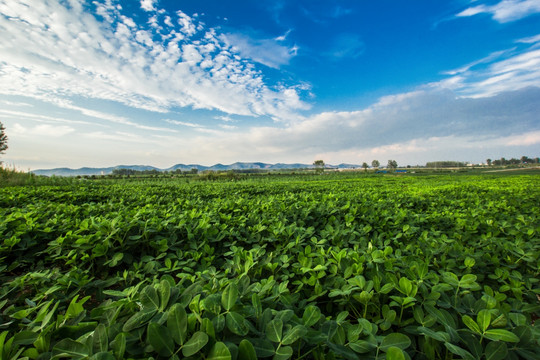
(184, 167)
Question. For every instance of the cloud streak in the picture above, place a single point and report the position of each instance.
(100, 53)
(265, 51)
(407, 126)
(507, 70)
(504, 11)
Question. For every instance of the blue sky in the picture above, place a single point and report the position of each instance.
(161, 82)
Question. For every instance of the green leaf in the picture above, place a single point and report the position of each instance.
(394, 353)
(115, 259)
(103, 355)
(236, 323)
(473, 344)
(137, 320)
(283, 353)
(274, 330)
(229, 296)
(459, 351)
(32, 353)
(436, 335)
(149, 298)
(501, 335)
(71, 348)
(311, 316)
(386, 288)
(100, 340)
(471, 324)
(177, 323)
(263, 348)
(496, 350)
(483, 319)
(246, 351)
(343, 351)
(294, 334)
(208, 327)
(527, 354)
(119, 345)
(405, 286)
(212, 304)
(196, 343)
(219, 351)
(395, 339)
(361, 346)
(467, 279)
(164, 294)
(25, 337)
(524, 333)
(114, 293)
(469, 262)
(257, 305)
(160, 339)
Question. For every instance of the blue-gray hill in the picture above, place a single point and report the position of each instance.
(182, 167)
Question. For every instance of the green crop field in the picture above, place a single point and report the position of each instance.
(293, 267)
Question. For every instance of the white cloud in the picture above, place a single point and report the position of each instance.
(183, 123)
(10, 114)
(148, 5)
(527, 139)
(284, 36)
(116, 136)
(507, 70)
(412, 128)
(140, 66)
(42, 130)
(16, 103)
(406, 127)
(506, 10)
(228, 127)
(530, 39)
(225, 118)
(265, 51)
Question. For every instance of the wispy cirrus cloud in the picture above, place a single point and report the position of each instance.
(423, 125)
(100, 53)
(45, 130)
(24, 115)
(530, 40)
(505, 10)
(507, 70)
(346, 45)
(267, 51)
(183, 123)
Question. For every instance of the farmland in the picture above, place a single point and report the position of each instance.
(299, 267)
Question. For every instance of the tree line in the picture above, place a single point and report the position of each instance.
(513, 161)
(130, 172)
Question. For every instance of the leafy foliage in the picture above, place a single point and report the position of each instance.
(360, 268)
(3, 139)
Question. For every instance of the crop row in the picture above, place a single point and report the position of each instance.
(395, 268)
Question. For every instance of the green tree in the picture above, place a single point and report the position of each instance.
(319, 165)
(488, 161)
(526, 160)
(392, 164)
(375, 163)
(365, 166)
(3, 139)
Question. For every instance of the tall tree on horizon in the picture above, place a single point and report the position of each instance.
(319, 165)
(3, 139)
